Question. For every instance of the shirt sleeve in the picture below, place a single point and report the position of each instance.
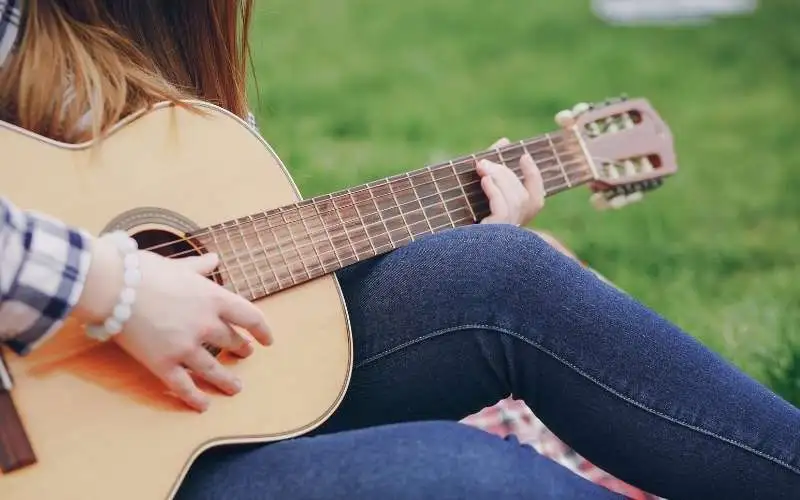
(10, 20)
(43, 267)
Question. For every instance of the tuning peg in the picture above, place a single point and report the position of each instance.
(565, 118)
(600, 202)
(635, 196)
(581, 107)
(618, 201)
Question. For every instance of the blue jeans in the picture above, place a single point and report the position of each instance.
(456, 321)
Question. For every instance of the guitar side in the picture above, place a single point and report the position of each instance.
(103, 427)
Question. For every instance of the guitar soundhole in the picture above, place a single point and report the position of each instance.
(170, 245)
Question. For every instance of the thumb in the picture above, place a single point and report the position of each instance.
(202, 264)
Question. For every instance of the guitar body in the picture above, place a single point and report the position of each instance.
(102, 426)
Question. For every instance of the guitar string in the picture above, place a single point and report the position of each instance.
(257, 262)
(329, 230)
(284, 271)
(234, 284)
(340, 227)
(264, 215)
(332, 198)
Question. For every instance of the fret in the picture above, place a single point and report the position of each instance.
(263, 249)
(317, 205)
(401, 210)
(364, 224)
(441, 197)
(273, 225)
(455, 198)
(434, 203)
(390, 211)
(357, 226)
(343, 223)
(304, 217)
(295, 246)
(251, 261)
(411, 205)
(558, 159)
(270, 244)
(374, 223)
(463, 192)
(418, 201)
(231, 281)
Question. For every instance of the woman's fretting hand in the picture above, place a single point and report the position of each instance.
(511, 201)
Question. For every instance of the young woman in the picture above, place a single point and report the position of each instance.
(624, 387)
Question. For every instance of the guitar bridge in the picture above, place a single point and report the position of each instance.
(16, 451)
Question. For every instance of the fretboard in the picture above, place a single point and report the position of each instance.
(270, 251)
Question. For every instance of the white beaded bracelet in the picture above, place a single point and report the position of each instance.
(128, 247)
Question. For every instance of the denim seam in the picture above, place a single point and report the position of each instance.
(580, 372)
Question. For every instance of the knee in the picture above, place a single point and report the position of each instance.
(513, 250)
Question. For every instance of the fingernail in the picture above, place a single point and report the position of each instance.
(237, 384)
(248, 349)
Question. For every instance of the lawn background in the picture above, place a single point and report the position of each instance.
(353, 90)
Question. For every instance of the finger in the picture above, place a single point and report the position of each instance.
(534, 185)
(202, 264)
(513, 191)
(500, 143)
(497, 203)
(181, 384)
(238, 311)
(206, 366)
(229, 339)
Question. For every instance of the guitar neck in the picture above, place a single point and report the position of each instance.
(270, 251)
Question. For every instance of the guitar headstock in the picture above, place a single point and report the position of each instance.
(628, 146)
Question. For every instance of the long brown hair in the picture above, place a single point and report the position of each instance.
(114, 57)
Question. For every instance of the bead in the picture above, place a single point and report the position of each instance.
(131, 261)
(127, 296)
(132, 277)
(122, 312)
(112, 326)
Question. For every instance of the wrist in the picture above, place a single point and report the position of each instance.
(127, 264)
(104, 280)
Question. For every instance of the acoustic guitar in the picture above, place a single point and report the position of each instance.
(82, 420)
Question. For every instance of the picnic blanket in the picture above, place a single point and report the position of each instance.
(511, 416)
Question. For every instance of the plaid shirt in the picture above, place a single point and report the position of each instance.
(43, 265)
(10, 15)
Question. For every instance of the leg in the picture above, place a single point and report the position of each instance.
(455, 322)
(436, 460)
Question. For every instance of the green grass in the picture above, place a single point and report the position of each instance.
(355, 90)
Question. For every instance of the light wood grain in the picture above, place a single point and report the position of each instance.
(101, 426)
